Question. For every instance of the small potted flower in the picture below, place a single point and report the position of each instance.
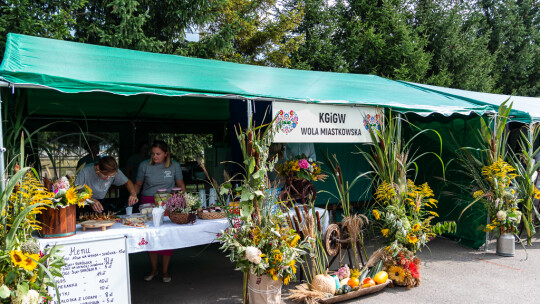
(182, 208)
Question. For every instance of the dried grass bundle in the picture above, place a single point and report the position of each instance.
(302, 294)
(355, 224)
(374, 258)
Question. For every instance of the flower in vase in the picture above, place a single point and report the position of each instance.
(253, 254)
(501, 215)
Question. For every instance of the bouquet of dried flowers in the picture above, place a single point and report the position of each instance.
(403, 269)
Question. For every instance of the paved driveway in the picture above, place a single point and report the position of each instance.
(450, 274)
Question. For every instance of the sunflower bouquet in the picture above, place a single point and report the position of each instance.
(25, 271)
(272, 249)
(64, 194)
(405, 217)
(301, 167)
(500, 199)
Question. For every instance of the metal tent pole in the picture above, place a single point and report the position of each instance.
(2, 151)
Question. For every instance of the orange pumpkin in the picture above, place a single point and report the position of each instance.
(353, 282)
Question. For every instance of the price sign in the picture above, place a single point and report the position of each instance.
(97, 271)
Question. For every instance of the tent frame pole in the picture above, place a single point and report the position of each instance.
(2, 151)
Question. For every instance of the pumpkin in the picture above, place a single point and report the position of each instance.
(353, 282)
(380, 277)
(324, 283)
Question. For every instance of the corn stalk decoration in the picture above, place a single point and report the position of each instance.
(254, 143)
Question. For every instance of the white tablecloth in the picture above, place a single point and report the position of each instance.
(168, 236)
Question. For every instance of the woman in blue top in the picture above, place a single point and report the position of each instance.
(159, 173)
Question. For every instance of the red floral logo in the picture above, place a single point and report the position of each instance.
(143, 242)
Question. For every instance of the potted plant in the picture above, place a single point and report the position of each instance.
(59, 216)
(182, 208)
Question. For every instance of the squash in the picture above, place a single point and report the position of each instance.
(324, 283)
(380, 277)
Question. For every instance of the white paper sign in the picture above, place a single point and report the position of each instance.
(96, 272)
(316, 123)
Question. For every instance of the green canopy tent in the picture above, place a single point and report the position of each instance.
(68, 80)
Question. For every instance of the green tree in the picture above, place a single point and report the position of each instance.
(155, 26)
(378, 37)
(319, 52)
(50, 19)
(514, 31)
(251, 31)
(461, 58)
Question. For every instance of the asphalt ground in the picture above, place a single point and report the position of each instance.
(450, 274)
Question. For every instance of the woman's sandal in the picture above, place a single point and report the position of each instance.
(150, 277)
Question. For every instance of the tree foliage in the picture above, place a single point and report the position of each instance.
(482, 45)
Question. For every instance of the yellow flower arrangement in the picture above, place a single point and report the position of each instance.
(405, 216)
(501, 201)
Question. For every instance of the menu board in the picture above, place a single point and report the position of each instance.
(97, 271)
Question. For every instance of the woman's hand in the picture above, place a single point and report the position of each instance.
(133, 199)
(96, 206)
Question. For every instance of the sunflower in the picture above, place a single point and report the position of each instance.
(537, 195)
(385, 232)
(17, 258)
(376, 214)
(71, 196)
(29, 262)
(415, 227)
(412, 238)
(277, 255)
(396, 274)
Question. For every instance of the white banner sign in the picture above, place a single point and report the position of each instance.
(316, 123)
(96, 272)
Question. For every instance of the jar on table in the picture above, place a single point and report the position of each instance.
(161, 197)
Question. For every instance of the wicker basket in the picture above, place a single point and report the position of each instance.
(210, 215)
(179, 218)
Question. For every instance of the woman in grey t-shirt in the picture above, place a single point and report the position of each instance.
(100, 177)
(159, 173)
